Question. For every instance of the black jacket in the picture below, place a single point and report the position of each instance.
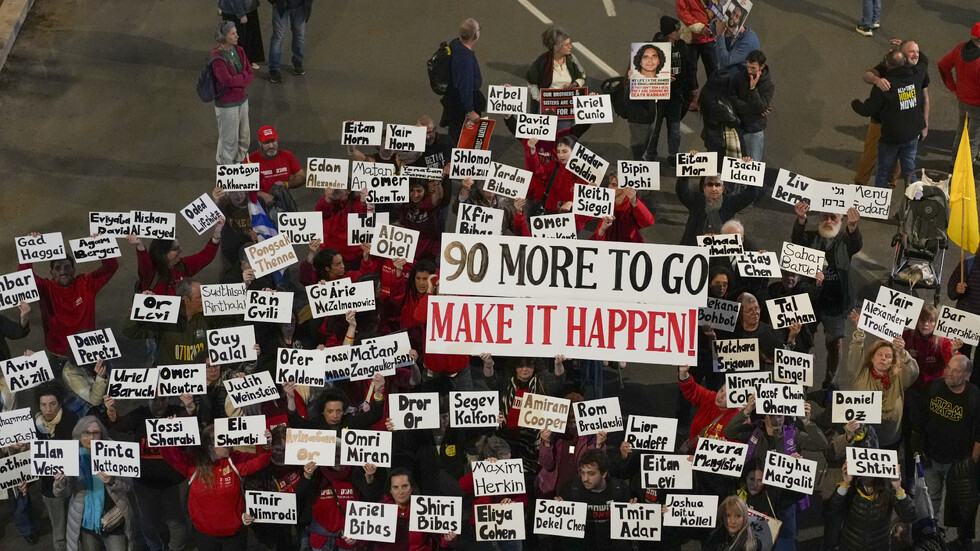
(749, 103)
(898, 109)
(856, 523)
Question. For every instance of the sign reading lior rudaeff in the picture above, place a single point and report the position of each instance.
(651, 433)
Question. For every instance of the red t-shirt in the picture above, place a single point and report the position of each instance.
(273, 170)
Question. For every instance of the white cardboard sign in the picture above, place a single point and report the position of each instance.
(176, 431)
(536, 127)
(132, 384)
(793, 367)
(26, 372)
(502, 477)
(651, 433)
(666, 471)
(872, 202)
(639, 175)
(51, 457)
(474, 409)
(479, 220)
(395, 242)
(722, 244)
(339, 297)
(635, 521)
(958, 324)
(92, 346)
(300, 228)
(18, 426)
(783, 311)
(700, 164)
(361, 133)
(89, 249)
(906, 305)
(387, 190)
(559, 518)
(740, 385)
(592, 109)
(720, 457)
(241, 177)
(15, 469)
(691, 511)
(556, 226)
(587, 165)
(737, 171)
(719, 314)
(470, 163)
(275, 253)
(790, 473)
(271, 507)
(414, 411)
(155, 225)
(305, 445)
(247, 430)
(881, 321)
(780, 399)
(737, 354)
(402, 137)
(16, 287)
(362, 172)
(593, 416)
(201, 213)
(860, 405)
(302, 367)
(43, 248)
(326, 173)
(792, 188)
(507, 100)
(593, 201)
(116, 224)
(508, 181)
(435, 514)
(378, 355)
(872, 462)
(360, 447)
(368, 521)
(225, 299)
(251, 389)
(362, 225)
(801, 260)
(116, 458)
(830, 197)
(231, 345)
(540, 411)
(500, 521)
(269, 306)
(155, 308)
(757, 264)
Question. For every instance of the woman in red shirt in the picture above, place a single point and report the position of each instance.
(161, 267)
(631, 216)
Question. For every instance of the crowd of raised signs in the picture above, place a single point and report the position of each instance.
(363, 376)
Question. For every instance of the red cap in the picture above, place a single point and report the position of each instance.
(976, 31)
(267, 133)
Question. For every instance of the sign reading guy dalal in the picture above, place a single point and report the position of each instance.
(231, 345)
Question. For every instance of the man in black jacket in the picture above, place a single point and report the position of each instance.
(753, 102)
(901, 117)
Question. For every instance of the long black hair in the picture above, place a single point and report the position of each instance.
(638, 58)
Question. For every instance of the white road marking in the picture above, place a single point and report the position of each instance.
(535, 12)
(610, 8)
(602, 65)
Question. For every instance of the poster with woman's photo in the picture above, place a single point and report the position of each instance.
(649, 74)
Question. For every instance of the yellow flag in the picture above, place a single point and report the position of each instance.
(964, 230)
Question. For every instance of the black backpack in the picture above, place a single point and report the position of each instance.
(208, 87)
(617, 88)
(438, 68)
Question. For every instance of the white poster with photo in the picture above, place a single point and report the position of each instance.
(757, 264)
(793, 367)
(666, 471)
(555, 226)
(507, 100)
(499, 521)
(470, 163)
(268, 306)
(18, 426)
(387, 190)
(201, 213)
(395, 242)
(780, 399)
(247, 430)
(559, 518)
(719, 314)
(906, 305)
(635, 521)
(958, 324)
(691, 511)
(593, 416)
(14, 470)
(790, 473)
(859, 405)
(174, 431)
(475, 409)
(361, 133)
(414, 411)
(722, 244)
(511, 182)
(587, 165)
(540, 412)
(90, 249)
(340, 296)
(362, 172)
(801, 260)
(116, 458)
(720, 457)
(115, 224)
(502, 477)
(792, 188)
(735, 13)
(231, 345)
(402, 137)
(155, 225)
(737, 354)
(271, 507)
(155, 308)
(305, 445)
(881, 321)
(737, 171)
(651, 433)
(479, 220)
(300, 228)
(325, 173)
(830, 197)
(240, 177)
(26, 372)
(225, 299)
(51, 457)
(536, 127)
(132, 384)
(592, 109)
(92, 346)
(594, 201)
(174, 380)
(16, 287)
(251, 389)
(765, 528)
(872, 462)
(649, 73)
(271, 255)
(361, 226)
(872, 202)
(360, 447)
(369, 521)
(435, 514)
(740, 385)
(696, 165)
(301, 367)
(784, 311)
(42, 248)
(639, 175)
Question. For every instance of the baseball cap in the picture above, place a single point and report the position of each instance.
(976, 31)
(267, 133)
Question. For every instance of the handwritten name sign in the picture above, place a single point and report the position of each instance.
(42, 248)
(242, 177)
(201, 213)
(720, 457)
(26, 372)
(231, 345)
(155, 308)
(698, 164)
(92, 346)
(473, 409)
(361, 133)
(326, 173)
(89, 249)
(251, 389)
(273, 254)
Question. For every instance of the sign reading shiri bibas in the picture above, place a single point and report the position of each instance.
(155, 308)
(737, 354)
(739, 386)
(958, 324)
(540, 411)
(435, 514)
(859, 405)
(582, 329)
(508, 266)
(719, 314)
(790, 473)
(593, 416)
(666, 471)
(784, 311)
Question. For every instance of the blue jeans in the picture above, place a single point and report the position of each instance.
(888, 153)
(296, 19)
(21, 506)
(754, 143)
(871, 12)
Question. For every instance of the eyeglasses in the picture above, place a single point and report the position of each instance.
(92, 433)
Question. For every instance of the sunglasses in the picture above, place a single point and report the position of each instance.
(714, 184)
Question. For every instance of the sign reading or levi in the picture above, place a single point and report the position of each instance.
(402, 137)
(244, 177)
(271, 255)
(201, 213)
(509, 266)
(155, 308)
(92, 346)
(300, 228)
(470, 163)
(361, 133)
(587, 165)
(507, 100)
(536, 127)
(639, 175)
(44, 247)
(327, 173)
(16, 287)
(89, 249)
(595, 201)
(395, 242)
(26, 372)
(737, 171)
(698, 164)
(268, 306)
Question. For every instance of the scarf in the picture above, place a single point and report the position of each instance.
(882, 378)
(94, 493)
(48, 427)
(712, 214)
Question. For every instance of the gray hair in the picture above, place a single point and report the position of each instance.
(222, 31)
(553, 36)
(82, 425)
(185, 287)
(733, 225)
(468, 30)
(494, 446)
(746, 299)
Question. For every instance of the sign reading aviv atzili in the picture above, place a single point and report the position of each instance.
(231, 345)
(26, 372)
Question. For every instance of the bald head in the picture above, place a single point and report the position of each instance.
(957, 373)
(910, 49)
